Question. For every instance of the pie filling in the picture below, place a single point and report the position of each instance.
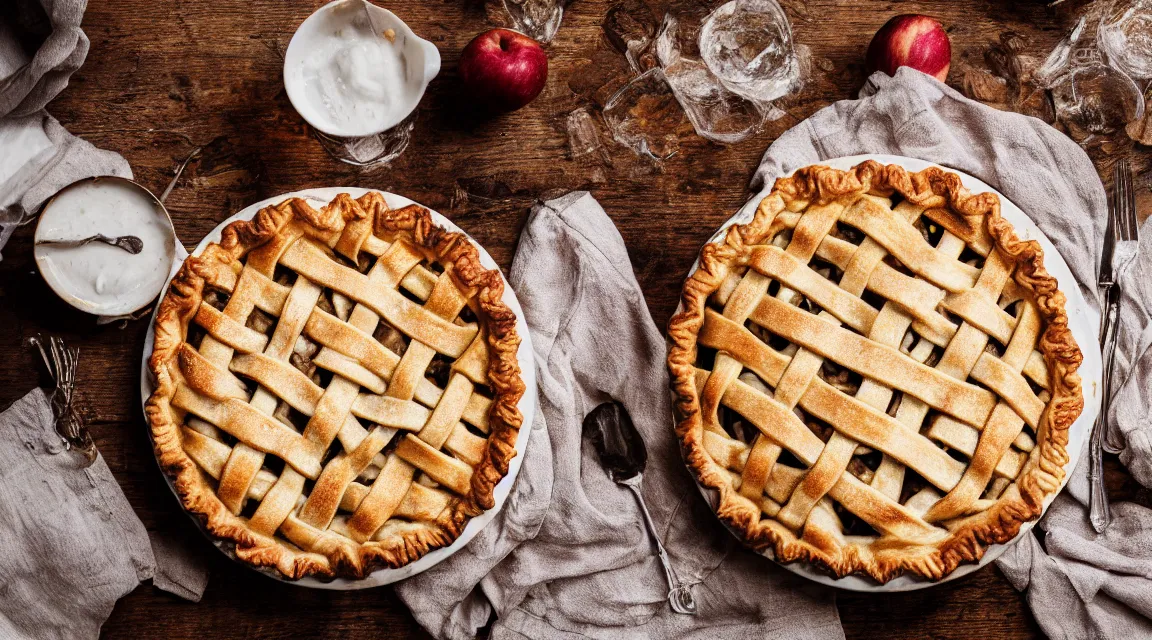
(303, 357)
(865, 378)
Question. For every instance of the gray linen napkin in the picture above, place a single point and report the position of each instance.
(1084, 585)
(569, 557)
(37, 158)
(70, 545)
(37, 155)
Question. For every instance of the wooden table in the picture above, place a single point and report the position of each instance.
(165, 77)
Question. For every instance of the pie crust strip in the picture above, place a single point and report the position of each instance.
(966, 372)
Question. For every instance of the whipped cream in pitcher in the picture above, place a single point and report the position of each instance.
(354, 69)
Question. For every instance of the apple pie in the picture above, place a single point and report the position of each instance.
(336, 388)
(874, 374)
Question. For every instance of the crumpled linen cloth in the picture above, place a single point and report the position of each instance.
(70, 544)
(1079, 584)
(38, 156)
(569, 556)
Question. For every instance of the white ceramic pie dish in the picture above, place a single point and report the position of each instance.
(527, 403)
(1082, 319)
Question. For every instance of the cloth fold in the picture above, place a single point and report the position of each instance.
(38, 157)
(1079, 584)
(28, 83)
(69, 579)
(70, 545)
(569, 555)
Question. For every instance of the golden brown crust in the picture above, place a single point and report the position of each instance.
(954, 208)
(272, 229)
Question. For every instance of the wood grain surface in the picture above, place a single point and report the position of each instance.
(165, 77)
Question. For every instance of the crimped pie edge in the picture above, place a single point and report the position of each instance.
(414, 224)
(1043, 472)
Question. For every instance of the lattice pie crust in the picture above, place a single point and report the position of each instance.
(336, 388)
(874, 373)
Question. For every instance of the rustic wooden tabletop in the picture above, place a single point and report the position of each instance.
(164, 77)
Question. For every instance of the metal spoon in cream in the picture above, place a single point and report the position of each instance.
(131, 244)
(97, 277)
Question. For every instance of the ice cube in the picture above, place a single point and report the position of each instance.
(538, 19)
(629, 27)
(644, 115)
(582, 136)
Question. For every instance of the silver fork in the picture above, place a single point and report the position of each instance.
(1121, 238)
(60, 360)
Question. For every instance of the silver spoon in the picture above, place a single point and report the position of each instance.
(623, 455)
(131, 244)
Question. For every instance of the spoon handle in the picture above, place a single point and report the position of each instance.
(72, 244)
(679, 596)
(131, 244)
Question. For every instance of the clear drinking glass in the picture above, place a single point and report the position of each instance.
(644, 115)
(1097, 99)
(1090, 94)
(716, 112)
(747, 44)
(369, 151)
(1125, 37)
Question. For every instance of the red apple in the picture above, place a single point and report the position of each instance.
(503, 70)
(910, 41)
